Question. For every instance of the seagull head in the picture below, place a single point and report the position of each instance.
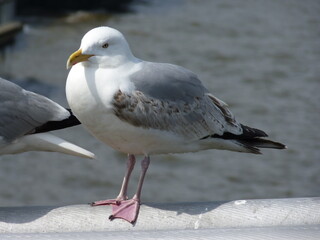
(103, 47)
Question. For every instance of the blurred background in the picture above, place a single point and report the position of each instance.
(261, 57)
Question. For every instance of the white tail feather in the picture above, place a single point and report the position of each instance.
(45, 142)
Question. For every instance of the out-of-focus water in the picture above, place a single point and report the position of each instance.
(261, 57)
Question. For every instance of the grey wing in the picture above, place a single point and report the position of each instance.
(22, 111)
(171, 98)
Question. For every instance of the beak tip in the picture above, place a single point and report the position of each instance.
(77, 57)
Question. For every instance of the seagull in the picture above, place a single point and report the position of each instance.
(26, 118)
(143, 108)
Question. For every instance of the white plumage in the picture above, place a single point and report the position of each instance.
(140, 107)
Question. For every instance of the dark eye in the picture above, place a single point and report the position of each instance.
(105, 45)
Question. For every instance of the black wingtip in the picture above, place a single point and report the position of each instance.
(56, 125)
(262, 143)
(251, 138)
(249, 132)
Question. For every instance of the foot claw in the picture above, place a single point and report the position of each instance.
(106, 202)
(127, 210)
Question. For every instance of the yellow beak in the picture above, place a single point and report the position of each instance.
(77, 57)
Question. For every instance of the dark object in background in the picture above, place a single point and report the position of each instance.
(40, 7)
(8, 31)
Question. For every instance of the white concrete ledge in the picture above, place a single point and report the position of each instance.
(295, 218)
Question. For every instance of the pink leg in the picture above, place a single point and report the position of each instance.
(129, 209)
(123, 191)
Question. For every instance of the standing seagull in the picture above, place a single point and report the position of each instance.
(26, 116)
(140, 107)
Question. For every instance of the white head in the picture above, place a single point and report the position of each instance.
(103, 47)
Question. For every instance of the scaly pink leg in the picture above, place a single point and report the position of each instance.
(129, 209)
(123, 191)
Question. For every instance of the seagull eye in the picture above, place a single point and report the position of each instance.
(105, 45)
